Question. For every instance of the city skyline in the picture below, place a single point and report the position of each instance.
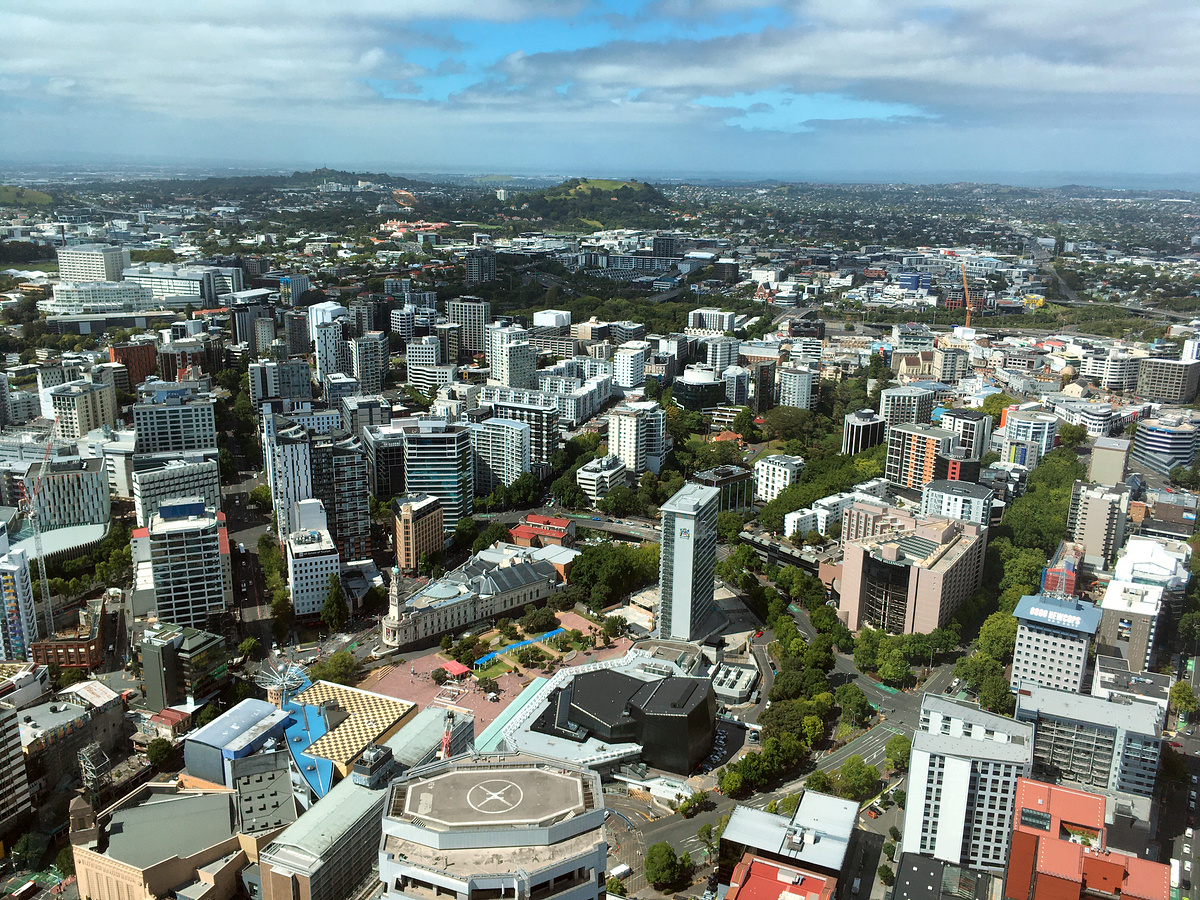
(866, 90)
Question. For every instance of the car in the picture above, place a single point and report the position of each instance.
(873, 813)
(1187, 833)
(1196, 779)
(1187, 865)
(1174, 743)
(1191, 795)
(1187, 849)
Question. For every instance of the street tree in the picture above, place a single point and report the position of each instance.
(661, 864)
(335, 611)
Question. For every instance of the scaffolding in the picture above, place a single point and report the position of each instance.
(95, 766)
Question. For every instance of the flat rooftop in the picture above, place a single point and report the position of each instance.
(525, 792)
(370, 716)
(148, 832)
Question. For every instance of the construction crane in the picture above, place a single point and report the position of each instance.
(35, 520)
(966, 292)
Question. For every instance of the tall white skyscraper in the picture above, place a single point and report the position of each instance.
(185, 551)
(637, 432)
(963, 773)
(513, 360)
(688, 562)
(798, 387)
(500, 448)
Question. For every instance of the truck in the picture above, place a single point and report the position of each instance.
(620, 871)
(1174, 873)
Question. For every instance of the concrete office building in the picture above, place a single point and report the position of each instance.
(773, 474)
(92, 262)
(721, 352)
(82, 406)
(688, 562)
(296, 333)
(182, 666)
(1108, 460)
(912, 453)
(958, 500)
(473, 314)
(950, 364)
(735, 483)
(862, 430)
(512, 359)
(1110, 745)
(500, 453)
(339, 481)
(973, 428)
(194, 475)
(798, 387)
(289, 379)
(536, 409)
(1027, 425)
(437, 462)
(1129, 619)
(175, 425)
(637, 433)
(629, 368)
(1160, 444)
(97, 298)
(16, 800)
(516, 825)
(905, 406)
(963, 772)
(419, 530)
(912, 581)
(181, 563)
(1096, 519)
(1053, 637)
(709, 318)
(312, 557)
(1168, 380)
(369, 360)
(74, 491)
(359, 412)
(598, 477)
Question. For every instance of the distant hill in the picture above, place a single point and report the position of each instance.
(592, 204)
(10, 195)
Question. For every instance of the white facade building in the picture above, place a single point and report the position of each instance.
(637, 433)
(958, 500)
(1053, 637)
(1039, 427)
(774, 473)
(500, 450)
(312, 557)
(513, 360)
(73, 298)
(598, 477)
(963, 773)
(92, 262)
(687, 563)
(798, 387)
(629, 368)
(176, 424)
(192, 476)
(19, 626)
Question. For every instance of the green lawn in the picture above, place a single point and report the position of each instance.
(494, 670)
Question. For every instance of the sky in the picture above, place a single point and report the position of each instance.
(817, 89)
